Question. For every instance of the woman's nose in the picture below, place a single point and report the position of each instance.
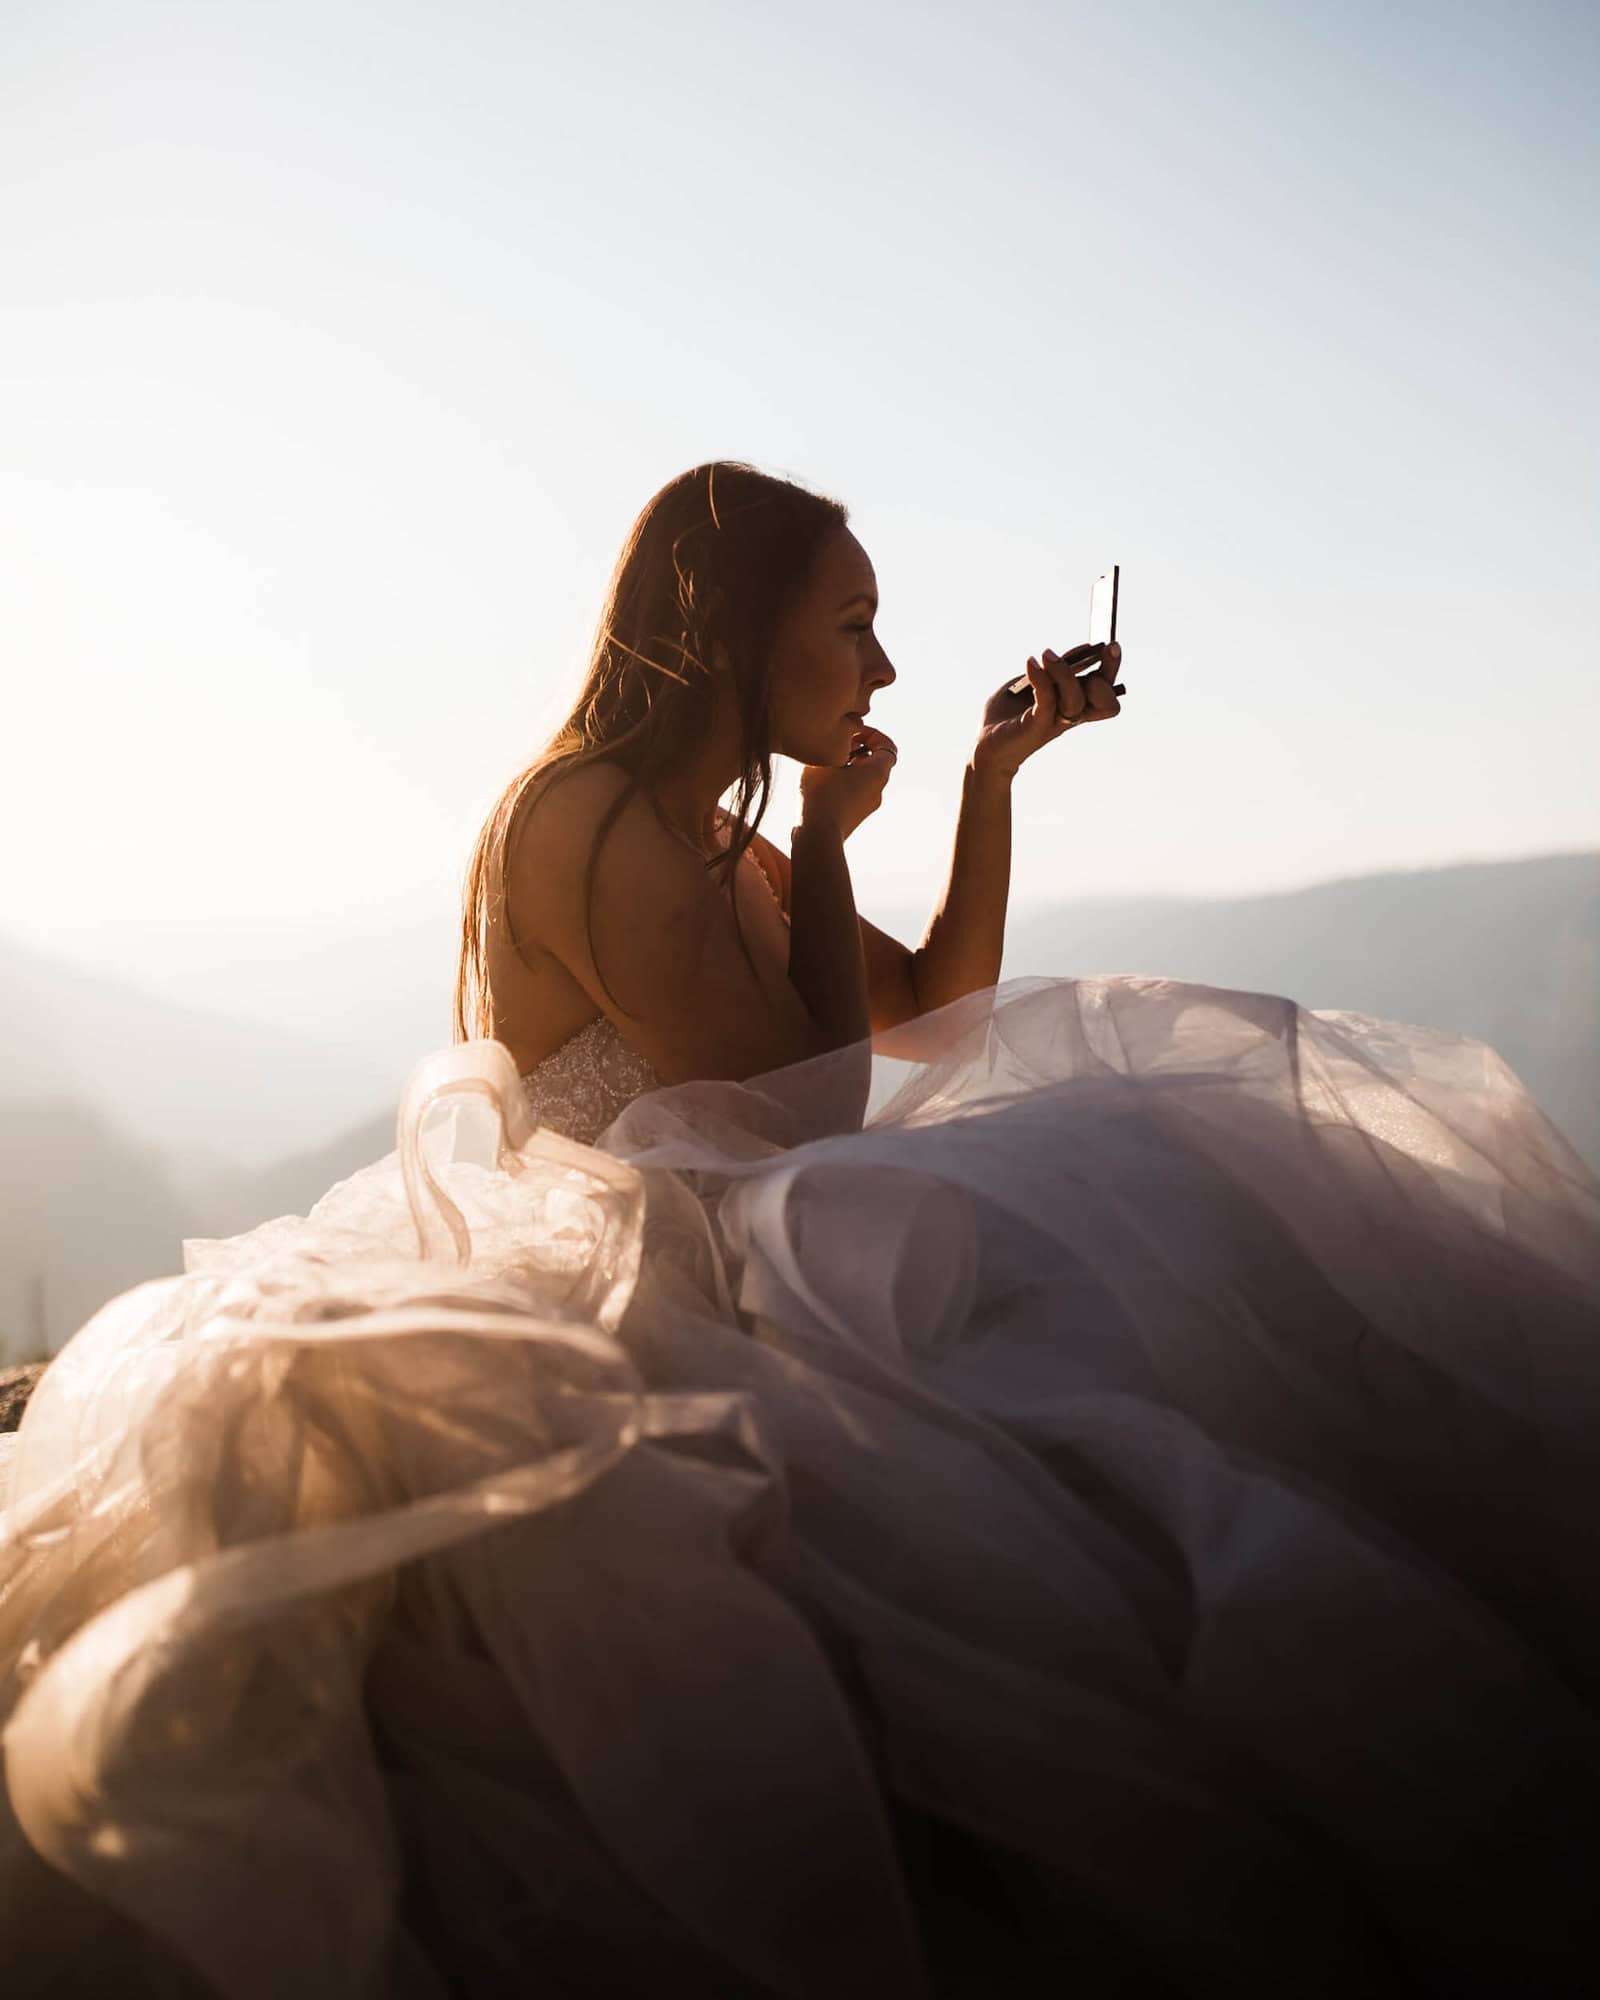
(883, 673)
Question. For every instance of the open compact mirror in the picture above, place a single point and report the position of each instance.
(1102, 621)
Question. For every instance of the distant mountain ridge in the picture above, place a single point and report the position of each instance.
(186, 1077)
(128, 1123)
(1507, 952)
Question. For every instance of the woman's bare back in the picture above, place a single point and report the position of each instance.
(540, 1003)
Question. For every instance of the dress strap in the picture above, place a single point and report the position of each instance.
(771, 886)
(749, 855)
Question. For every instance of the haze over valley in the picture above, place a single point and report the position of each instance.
(130, 1120)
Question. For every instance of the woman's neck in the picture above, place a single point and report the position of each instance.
(700, 825)
(691, 798)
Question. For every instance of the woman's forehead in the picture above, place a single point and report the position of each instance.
(847, 568)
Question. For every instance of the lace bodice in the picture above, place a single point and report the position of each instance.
(582, 1086)
(579, 1088)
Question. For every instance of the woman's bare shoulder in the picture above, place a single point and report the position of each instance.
(549, 842)
(594, 817)
(678, 982)
(567, 801)
(559, 823)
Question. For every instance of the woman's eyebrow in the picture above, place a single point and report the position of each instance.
(861, 597)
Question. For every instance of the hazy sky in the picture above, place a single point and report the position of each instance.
(340, 344)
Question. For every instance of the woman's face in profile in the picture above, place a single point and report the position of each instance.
(827, 663)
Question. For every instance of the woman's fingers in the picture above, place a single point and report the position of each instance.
(1090, 697)
(1047, 695)
(1101, 699)
(1100, 686)
(870, 742)
(1071, 699)
(871, 746)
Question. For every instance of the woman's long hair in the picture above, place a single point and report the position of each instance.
(717, 558)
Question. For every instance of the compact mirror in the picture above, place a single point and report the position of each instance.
(1102, 621)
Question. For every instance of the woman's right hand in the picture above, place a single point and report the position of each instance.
(845, 794)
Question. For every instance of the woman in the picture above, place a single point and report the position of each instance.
(1121, 1506)
(739, 625)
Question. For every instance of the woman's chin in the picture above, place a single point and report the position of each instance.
(832, 749)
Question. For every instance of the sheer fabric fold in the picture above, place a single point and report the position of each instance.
(1127, 1510)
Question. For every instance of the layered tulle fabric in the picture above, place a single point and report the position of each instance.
(1126, 1512)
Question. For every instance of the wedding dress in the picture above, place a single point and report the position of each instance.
(1126, 1513)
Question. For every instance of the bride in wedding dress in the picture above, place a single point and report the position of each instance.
(812, 1472)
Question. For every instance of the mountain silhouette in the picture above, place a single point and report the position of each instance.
(128, 1123)
(181, 1077)
(1507, 952)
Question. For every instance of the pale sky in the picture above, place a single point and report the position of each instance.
(340, 344)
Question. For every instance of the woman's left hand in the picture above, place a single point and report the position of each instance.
(1015, 725)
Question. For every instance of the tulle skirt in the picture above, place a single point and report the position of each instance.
(1127, 1511)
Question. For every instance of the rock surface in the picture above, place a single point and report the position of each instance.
(16, 1386)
